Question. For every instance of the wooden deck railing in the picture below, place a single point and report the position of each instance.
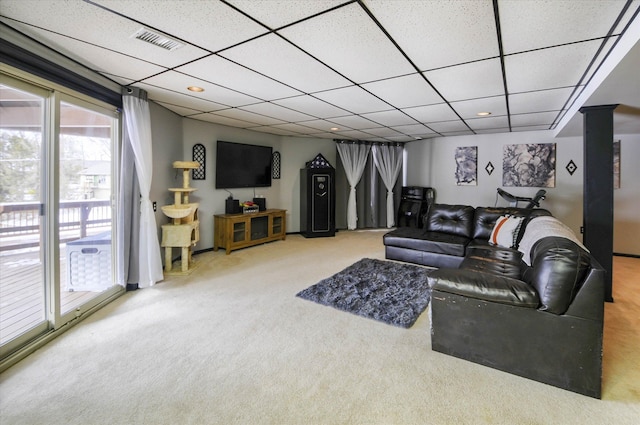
(20, 223)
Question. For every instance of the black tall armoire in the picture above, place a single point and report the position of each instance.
(317, 199)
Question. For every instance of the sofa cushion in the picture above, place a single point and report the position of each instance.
(485, 218)
(492, 266)
(482, 248)
(484, 286)
(452, 219)
(434, 242)
(557, 271)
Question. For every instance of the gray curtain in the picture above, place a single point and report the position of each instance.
(371, 197)
(128, 216)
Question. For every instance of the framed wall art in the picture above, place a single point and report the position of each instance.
(466, 166)
(529, 165)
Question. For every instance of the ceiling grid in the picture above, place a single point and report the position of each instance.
(377, 70)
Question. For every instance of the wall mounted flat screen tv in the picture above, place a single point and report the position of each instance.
(242, 165)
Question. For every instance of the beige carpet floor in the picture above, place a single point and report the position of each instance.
(231, 344)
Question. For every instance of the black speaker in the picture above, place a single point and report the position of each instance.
(261, 203)
(317, 200)
(232, 206)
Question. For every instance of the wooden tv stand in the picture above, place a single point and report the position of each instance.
(236, 231)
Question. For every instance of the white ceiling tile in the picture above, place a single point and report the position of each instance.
(349, 40)
(275, 130)
(277, 13)
(539, 118)
(180, 110)
(278, 112)
(468, 81)
(549, 68)
(221, 71)
(485, 123)
(247, 116)
(312, 106)
(401, 138)
(432, 113)
(179, 99)
(457, 133)
(492, 130)
(439, 33)
(545, 100)
(101, 59)
(179, 82)
(382, 132)
(352, 134)
(296, 128)
(436, 35)
(95, 26)
(276, 58)
(218, 119)
(404, 92)
(449, 126)
(353, 99)
(320, 125)
(533, 24)
(413, 130)
(497, 105)
(353, 121)
(186, 19)
(389, 118)
(123, 81)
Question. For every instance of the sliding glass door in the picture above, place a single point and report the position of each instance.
(57, 208)
(23, 293)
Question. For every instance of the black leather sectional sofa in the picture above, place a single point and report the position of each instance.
(536, 312)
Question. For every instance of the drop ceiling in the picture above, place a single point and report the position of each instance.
(387, 70)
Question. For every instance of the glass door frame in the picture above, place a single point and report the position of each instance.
(53, 95)
(45, 324)
(60, 318)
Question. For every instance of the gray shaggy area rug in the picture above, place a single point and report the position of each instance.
(392, 293)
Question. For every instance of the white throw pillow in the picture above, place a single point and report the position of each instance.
(505, 231)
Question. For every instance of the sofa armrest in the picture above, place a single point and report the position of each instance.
(589, 301)
(484, 286)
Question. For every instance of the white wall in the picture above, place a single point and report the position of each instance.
(283, 193)
(166, 134)
(431, 163)
(626, 211)
(564, 200)
(428, 163)
(296, 152)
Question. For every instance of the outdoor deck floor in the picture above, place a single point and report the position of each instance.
(22, 299)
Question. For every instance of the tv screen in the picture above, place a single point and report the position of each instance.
(242, 165)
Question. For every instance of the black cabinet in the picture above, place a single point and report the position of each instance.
(317, 199)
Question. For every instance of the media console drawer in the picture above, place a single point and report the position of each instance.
(236, 231)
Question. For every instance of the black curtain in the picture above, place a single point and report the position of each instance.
(371, 196)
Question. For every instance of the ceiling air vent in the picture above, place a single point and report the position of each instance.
(157, 39)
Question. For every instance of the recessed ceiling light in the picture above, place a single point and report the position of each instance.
(483, 114)
(334, 129)
(195, 89)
